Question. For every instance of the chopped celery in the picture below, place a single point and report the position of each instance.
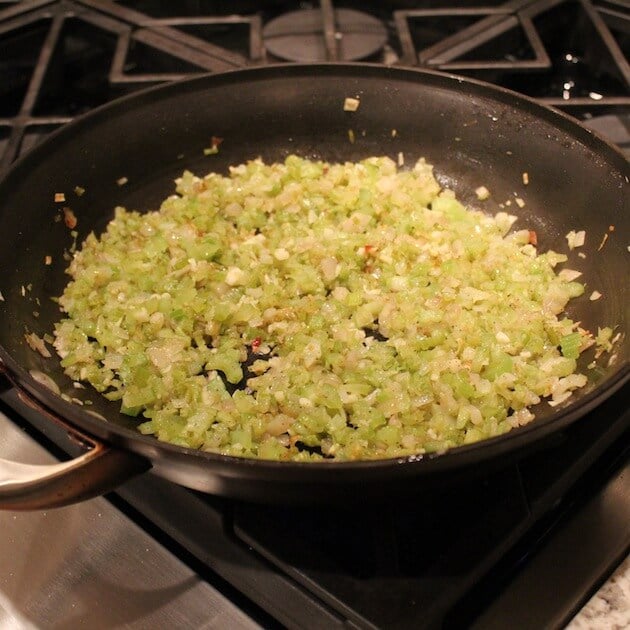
(570, 345)
(305, 310)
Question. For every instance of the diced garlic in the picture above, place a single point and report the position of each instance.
(482, 193)
(280, 254)
(351, 104)
(234, 277)
(502, 337)
(568, 275)
(576, 239)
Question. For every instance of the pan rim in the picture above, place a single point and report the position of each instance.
(449, 458)
(551, 114)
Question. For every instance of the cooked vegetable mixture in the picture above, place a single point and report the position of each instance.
(307, 311)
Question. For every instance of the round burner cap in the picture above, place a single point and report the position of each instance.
(299, 35)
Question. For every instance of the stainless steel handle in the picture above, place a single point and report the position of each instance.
(36, 487)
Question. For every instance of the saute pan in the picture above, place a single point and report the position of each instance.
(129, 152)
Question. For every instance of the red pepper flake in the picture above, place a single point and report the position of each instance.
(214, 146)
(369, 249)
(256, 344)
(533, 238)
(69, 218)
(60, 197)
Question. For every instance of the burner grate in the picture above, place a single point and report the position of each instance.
(562, 53)
(467, 39)
(60, 58)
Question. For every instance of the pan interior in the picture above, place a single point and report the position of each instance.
(129, 153)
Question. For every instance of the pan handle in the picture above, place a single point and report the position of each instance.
(37, 487)
(41, 486)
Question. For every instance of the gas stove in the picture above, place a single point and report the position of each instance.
(60, 59)
(527, 544)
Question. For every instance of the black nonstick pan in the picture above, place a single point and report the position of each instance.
(129, 152)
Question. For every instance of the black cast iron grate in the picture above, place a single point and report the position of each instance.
(61, 58)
